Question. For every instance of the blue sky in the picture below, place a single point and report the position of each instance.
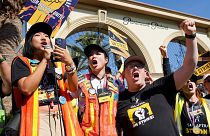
(194, 7)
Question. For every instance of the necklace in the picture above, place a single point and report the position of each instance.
(98, 83)
(98, 77)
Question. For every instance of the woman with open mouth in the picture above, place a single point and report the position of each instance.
(99, 95)
(191, 112)
(39, 89)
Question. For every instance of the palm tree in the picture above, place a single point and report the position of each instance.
(10, 32)
(10, 27)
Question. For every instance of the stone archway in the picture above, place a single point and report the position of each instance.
(180, 33)
(134, 42)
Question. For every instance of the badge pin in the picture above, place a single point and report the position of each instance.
(62, 100)
(82, 95)
(196, 130)
(92, 91)
(34, 62)
(116, 96)
(58, 73)
(59, 77)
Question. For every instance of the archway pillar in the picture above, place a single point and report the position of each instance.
(208, 33)
(139, 46)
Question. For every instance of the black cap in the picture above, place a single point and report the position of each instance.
(134, 58)
(91, 47)
(194, 78)
(39, 27)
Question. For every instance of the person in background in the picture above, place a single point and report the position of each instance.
(5, 85)
(191, 110)
(146, 109)
(109, 72)
(206, 83)
(39, 88)
(118, 79)
(99, 95)
(5, 72)
(166, 64)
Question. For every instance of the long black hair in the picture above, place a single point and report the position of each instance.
(28, 49)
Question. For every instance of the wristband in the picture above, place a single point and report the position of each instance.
(192, 36)
(2, 59)
(70, 69)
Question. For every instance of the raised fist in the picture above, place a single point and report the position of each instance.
(163, 51)
(188, 26)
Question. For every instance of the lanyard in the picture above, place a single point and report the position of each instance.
(100, 85)
(192, 116)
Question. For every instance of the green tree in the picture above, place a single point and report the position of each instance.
(10, 33)
(10, 27)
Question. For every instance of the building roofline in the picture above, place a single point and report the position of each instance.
(147, 9)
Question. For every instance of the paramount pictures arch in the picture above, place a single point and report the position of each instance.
(147, 27)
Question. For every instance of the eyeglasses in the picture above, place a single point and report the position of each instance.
(139, 66)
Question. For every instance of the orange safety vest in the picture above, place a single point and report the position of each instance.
(29, 109)
(98, 118)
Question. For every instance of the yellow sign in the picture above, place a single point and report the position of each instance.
(202, 69)
(53, 12)
(140, 114)
(118, 43)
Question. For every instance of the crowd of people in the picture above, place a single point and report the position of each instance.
(169, 106)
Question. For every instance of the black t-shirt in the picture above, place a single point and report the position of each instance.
(148, 112)
(20, 70)
(196, 117)
(48, 82)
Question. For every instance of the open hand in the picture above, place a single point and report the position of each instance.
(163, 51)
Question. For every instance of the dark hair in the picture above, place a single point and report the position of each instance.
(194, 78)
(28, 50)
(89, 48)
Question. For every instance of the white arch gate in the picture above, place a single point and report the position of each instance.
(146, 26)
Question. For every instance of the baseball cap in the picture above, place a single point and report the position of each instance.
(205, 76)
(91, 47)
(39, 27)
(134, 58)
(194, 78)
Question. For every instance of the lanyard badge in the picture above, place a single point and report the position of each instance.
(58, 73)
(104, 95)
(92, 91)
